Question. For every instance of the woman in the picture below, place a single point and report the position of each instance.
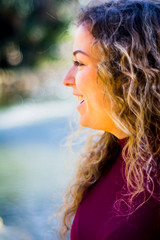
(116, 76)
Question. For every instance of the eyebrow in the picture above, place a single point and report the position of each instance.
(80, 51)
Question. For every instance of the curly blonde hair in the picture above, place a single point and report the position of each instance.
(127, 34)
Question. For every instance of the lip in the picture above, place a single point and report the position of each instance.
(81, 102)
(80, 105)
(78, 95)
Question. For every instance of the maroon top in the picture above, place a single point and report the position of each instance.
(96, 218)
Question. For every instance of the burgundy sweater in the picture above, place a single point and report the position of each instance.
(96, 219)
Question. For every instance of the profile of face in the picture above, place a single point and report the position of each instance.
(86, 85)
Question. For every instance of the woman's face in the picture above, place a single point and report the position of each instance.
(83, 78)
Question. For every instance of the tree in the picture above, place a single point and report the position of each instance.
(30, 30)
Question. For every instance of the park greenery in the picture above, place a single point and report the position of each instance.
(32, 32)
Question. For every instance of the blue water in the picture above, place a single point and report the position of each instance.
(50, 131)
(35, 169)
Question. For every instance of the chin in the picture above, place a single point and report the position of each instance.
(86, 123)
(83, 121)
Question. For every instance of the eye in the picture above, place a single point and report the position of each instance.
(77, 64)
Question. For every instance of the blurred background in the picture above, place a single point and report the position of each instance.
(35, 110)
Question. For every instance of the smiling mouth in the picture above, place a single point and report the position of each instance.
(80, 98)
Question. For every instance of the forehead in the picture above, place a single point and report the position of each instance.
(83, 39)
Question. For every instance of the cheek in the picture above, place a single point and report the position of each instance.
(82, 82)
(86, 80)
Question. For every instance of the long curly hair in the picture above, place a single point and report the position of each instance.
(127, 34)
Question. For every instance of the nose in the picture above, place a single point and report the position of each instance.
(69, 79)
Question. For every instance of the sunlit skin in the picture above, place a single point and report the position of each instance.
(82, 77)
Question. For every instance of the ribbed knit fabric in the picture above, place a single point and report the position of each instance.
(96, 218)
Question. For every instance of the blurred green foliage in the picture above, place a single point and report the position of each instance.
(31, 29)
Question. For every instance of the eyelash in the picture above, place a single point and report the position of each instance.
(77, 64)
